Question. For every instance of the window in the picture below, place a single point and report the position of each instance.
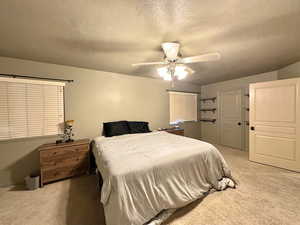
(30, 108)
(183, 107)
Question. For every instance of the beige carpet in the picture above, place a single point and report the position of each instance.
(266, 195)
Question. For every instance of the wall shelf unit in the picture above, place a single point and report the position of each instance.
(208, 120)
(213, 99)
(209, 110)
(209, 104)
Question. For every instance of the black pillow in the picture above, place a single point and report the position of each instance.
(111, 129)
(138, 127)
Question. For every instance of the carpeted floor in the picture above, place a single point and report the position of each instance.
(265, 196)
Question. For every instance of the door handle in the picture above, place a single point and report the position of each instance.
(252, 128)
(239, 123)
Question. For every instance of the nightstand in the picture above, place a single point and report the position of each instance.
(177, 131)
(59, 161)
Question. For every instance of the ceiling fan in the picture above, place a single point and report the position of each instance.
(174, 65)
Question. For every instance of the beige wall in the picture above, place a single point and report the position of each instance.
(290, 71)
(211, 132)
(93, 98)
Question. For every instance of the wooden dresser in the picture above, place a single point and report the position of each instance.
(178, 131)
(59, 161)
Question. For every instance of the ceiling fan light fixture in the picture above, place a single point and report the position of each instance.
(180, 67)
(181, 75)
(180, 72)
(171, 50)
(164, 73)
(175, 64)
(167, 77)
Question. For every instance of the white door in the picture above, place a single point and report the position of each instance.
(274, 123)
(231, 119)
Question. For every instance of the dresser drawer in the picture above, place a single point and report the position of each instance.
(63, 157)
(59, 152)
(62, 162)
(64, 172)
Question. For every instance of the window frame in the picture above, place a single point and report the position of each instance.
(43, 83)
(174, 123)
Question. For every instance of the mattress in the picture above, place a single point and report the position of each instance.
(144, 174)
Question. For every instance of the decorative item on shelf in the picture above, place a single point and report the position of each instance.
(68, 132)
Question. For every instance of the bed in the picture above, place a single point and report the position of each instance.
(147, 173)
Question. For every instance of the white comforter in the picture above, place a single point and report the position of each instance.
(144, 174)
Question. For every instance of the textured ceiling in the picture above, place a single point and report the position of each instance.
(252, 36)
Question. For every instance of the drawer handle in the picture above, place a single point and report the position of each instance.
(54, 153)
(56, 173)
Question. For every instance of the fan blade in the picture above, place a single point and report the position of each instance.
(201, 58)
(149, 63)
(190, 71)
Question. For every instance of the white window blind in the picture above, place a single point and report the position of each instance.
(30, 108)
(183, 107)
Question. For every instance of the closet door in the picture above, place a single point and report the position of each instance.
(274, 123)
(231, 119)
